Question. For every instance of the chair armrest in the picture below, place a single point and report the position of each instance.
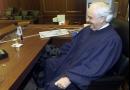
(112, 80)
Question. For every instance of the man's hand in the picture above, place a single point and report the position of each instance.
(63, 83)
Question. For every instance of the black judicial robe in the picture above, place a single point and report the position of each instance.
(87, 57)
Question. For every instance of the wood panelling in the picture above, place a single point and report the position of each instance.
(12, 3)
(75, 10)
(75, 6)
(1, 5)
(123, 7)
(23, 4)
(30, 4)
(53, 6)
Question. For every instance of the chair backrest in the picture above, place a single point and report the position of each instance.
(24, 13)
(122, 28)
(35, 13)
(122, 66)
(8, 13)
(18, 17)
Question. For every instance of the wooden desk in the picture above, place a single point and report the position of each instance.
(19, 63)
(3, 18)
(49, 26)
(19, 22)
(60, 40)
(6, 29)
(8, 26)
(4, 25)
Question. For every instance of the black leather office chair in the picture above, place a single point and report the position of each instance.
(120, 72)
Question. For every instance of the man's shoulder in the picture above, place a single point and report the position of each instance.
(85, 29)
(113, 33)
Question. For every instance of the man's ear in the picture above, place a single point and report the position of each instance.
(102, 19)
(109, 18)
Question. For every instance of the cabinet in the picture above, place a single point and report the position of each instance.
(1, 5)
(123, 7)
(23, 4)
(75, 10)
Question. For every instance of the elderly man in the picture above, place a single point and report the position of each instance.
(91, 53)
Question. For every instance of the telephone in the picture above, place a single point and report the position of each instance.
(3, 54)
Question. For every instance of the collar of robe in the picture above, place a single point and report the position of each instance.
(104, 26)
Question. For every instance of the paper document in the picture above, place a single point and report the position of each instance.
(61, 18)
(55, 19)
(53, 33)
(17, 45)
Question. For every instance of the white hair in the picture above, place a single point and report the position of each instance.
(102, 9)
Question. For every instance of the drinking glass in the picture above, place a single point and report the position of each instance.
(2, 72)
(14, 38)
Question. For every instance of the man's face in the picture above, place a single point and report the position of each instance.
(94, 20)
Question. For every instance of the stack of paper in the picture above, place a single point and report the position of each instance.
(53, 33)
